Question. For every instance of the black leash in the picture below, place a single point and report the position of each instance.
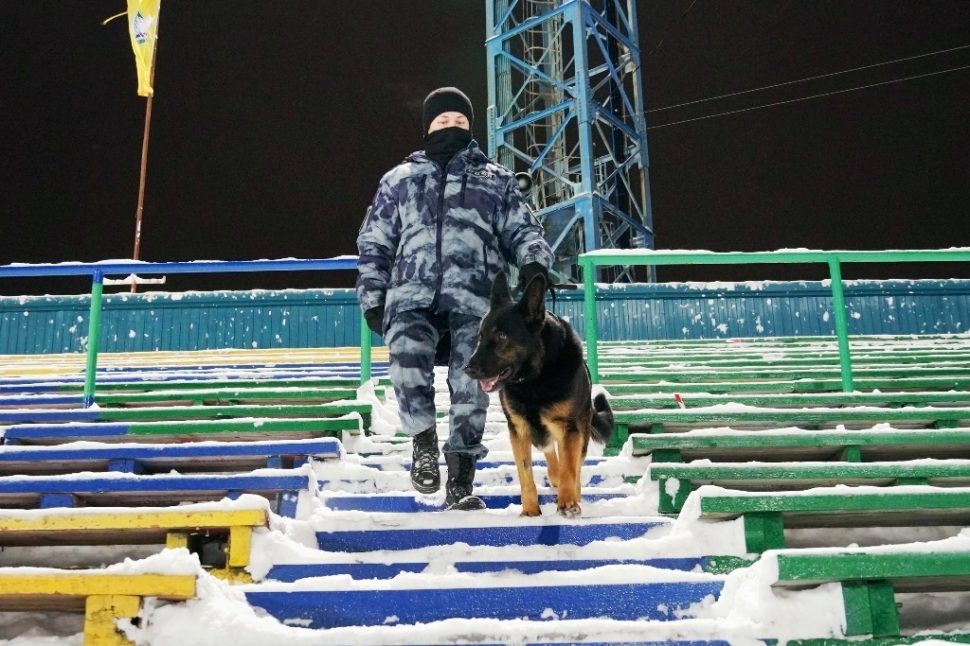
(555, 287)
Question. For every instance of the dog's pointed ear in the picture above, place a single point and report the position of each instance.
(533, 303)
(500, 291)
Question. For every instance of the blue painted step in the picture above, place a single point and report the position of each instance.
(295, 571)
(404, 463)
(410, 503)
(532, 533)
(482, 479)
(625, 601)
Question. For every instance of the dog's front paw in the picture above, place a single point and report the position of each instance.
(571, 511)
(529, 513)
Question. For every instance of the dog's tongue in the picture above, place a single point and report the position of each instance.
(488, 384)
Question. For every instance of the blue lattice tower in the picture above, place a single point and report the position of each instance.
(566, 105)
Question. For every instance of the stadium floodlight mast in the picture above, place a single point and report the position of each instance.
(565, 107)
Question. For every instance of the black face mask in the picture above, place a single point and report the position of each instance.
(441, 145)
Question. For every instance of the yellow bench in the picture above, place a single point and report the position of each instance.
(103, 597)
(171, 526)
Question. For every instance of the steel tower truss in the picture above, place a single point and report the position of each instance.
(566, 105)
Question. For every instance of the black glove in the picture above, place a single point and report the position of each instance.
(528, 271)
(375, 319)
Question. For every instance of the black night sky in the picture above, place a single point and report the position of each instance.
(274, 121)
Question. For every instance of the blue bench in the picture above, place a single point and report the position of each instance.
(155, 458)
(46, 492)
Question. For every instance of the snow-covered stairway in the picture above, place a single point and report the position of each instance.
(390, 556)
(387, 560)
(659, 557)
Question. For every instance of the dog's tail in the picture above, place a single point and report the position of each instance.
(602, 427)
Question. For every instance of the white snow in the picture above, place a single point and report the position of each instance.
(748, 609)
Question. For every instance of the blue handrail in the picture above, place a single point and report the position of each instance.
(98, 271)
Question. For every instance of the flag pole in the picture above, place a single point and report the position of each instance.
(139, 210)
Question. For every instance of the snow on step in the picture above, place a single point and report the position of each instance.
(626, 592)
(494, 498)
(388, 473)
(366, 532)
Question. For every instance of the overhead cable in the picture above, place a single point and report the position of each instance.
(810, 78)
(806, 98)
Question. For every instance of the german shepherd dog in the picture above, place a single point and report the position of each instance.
(536, 359)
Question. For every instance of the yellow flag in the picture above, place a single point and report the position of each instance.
(142, 27)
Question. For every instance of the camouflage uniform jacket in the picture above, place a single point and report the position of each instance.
(431, 242)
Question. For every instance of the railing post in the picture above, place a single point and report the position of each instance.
(589, 314)
(365, 350)
(94, 337)
(841, 323)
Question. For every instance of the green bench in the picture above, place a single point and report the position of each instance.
(659, 420)
(676, 481)
(902, 383)
(808, 359)
(181, 413)
(230, 395)
(795, 444)
(870, 579)
(767, 515)
(792, 400)
(626, 374)
(952, 638)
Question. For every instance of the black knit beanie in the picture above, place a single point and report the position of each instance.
(446, 99)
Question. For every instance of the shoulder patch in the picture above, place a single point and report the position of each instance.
(485, 174)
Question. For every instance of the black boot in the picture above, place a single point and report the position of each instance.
(425, 476)
(461, 475)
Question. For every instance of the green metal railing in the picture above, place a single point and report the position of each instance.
(834, 259)
(98, 270)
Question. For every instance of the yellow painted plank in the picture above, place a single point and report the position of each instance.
(161, 520)
(77, 584)
(175, 540)
(240, 546)
(101, 613)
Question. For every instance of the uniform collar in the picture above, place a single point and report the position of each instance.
(472, 154)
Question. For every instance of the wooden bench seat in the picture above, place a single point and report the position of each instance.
(103, 597)
(767, 515)
(172, 527)
(870, 579)
(676, 481)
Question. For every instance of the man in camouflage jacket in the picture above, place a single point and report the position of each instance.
(442, 225)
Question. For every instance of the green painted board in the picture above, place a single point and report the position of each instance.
(927, 438)
(791, 476)
(884, 641)
(752, 472)
(908, 571)
(202, 412)
(800, 400)
(808, 360)
(853, 504)
(791, 385)
(629, 374)
(229, 395)
(926, 414)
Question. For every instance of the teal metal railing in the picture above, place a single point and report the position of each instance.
(99, 270)
(834, 260)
